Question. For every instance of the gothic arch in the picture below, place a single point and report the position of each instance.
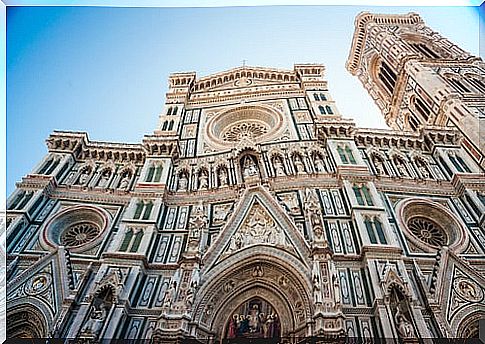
(28, 321)
(263, 272)
(468, 326)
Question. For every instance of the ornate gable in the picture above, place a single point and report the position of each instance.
(257, 220)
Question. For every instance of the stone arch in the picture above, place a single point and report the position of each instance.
(468, 326)
(265, 272)
(27, 321)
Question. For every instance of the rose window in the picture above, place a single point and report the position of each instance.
(78, 227)
(428, 231)
(79, 234)
(247, 122)
(244, 131)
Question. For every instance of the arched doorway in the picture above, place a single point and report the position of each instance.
(26, 322)
(274, 285)
(254, 318)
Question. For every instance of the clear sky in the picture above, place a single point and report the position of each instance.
(104, 70)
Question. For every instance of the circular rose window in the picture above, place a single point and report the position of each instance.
(429, 225)
(428, 231)
(78, 228)
(79, 234)
(254, 123)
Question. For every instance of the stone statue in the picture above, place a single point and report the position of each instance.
(319, 165)
(222, 177)
(249, 167)
(401, 168)
(336, 288)
(83, 177)
(379, 166)
(422, 169)
(317, 290)
(278, 166)
(183, 182)
(404, 327)
(103, 180)
(203, 180)
(125, 181)
(96, 320)
(299, 167)
(170, 295)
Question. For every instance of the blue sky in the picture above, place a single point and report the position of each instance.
(104, 70)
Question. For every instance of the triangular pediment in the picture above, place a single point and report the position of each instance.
(49, 279)
(257, 221)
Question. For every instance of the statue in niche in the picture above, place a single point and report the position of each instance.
(203, 180)
(170, 295)
(183, 182)
(317, 290)
(278, 166)
(319, 164)
(249, 167)
(83, 177)
(220, 213)
(125, 180)
(401, 168)
(104, 178)
(422, 168)
(95, 323)
(222, 176)
(404, 327)
(379, 166)
(299, 167)
(336, 287)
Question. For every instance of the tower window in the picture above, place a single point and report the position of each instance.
(322, 110)
(322, 97)
(422, 109)
(316, 96)
(329, 110)
(425, 50)
(169, 112)
(387, 76)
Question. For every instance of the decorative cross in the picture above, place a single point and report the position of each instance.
(244, 63)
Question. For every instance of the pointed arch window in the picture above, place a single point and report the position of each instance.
(175, 111)
(322, 97)
(165, 125)
(342, 155)
(459, 163)
(126, 240)
(148, 210)
(136, 241)
(322, 110)
(170, 126)
(316, 96)
(362, 195)
(132, 240)
(329, 109)
(139, 209)
(151, 172)
(169, 112)
(375, 230)
(387, 76)
(350, 155)
(459, 85)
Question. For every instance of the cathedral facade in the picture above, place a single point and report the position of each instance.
(256, 210)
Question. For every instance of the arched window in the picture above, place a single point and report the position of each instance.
(350, 155)
(422, 109)
(322, 110)
(151, 172)
(316, 96)
(424, 50)
(175, 111)
(126, 240)
(322, 97)
(358, 195)
(329, 110)
(148, 210)
(164, 126)
(137, 241)
(158, 173)
(459, 163)
(342, 155)
(169, 112)
(387, 76)
(170, 126)
(375, 231)
(139, 208)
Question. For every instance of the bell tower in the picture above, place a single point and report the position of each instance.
(418, 78)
